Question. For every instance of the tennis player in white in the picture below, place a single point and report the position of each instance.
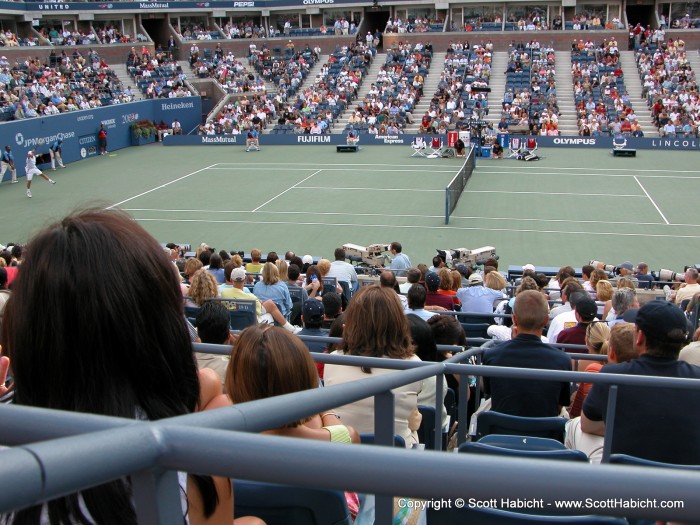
(31, 170)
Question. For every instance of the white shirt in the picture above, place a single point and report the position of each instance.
(559, 323)
(343, 271)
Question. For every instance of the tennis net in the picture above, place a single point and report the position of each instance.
(456, 186)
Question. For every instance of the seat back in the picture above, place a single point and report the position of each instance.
(242, 311)
(490, 422)
(522, 442)
(436, 143)
(191, 313)
(476, 330)
(491, 450)
(285, 505)
(426, 431)
(368, 439)
(624, 459)
(330, 284)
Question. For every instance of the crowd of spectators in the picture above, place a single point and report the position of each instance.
(63, 83)
(603, 105)
(9, 39)
(417, 24)
(670, 87)
(388, 105)
(461, 93)
(247, 29)
(530, 100)
(335, 86)
(227, 69)
(157, 75)
(382, 320)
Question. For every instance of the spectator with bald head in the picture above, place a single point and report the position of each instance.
(387, 279)
(524, 397)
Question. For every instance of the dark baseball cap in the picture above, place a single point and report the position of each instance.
(432, 280)
(660, 320)
(313, 311)
(586, 308)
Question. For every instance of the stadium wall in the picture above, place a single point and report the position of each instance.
(289, 139)
(79, 129)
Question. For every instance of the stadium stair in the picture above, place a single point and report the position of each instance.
(369, 79)
(693, 60)
(634, 87)
(432, 79)
(565, 94)
(497, 83)
(126, 80)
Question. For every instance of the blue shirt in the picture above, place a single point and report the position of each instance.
(277, 293)
(401, 262)
(478, 299)
(7, 156)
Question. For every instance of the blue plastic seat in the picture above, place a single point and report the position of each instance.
(490, 422)
(285, 505)
(625, 459)
(243, 312)
(492, 450)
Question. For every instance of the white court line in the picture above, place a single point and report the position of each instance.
(410, 216)
(367, 189)
(482, 166)
(159, 187)
(652, 201)
(445, 227)
(316, 164)
(576, 175)
(553, 193)
(338, 169)
(285, 191)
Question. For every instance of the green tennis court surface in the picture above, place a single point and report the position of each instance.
(573, 206)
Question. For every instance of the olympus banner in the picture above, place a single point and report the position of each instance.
(78, 129)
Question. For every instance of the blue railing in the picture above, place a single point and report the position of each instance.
(57, 453)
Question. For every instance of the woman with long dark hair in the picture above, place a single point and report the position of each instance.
(96, 325)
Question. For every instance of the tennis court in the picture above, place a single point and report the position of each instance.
(572, 206)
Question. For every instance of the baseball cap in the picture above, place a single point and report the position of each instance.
(307, 259)
(659, 319)
(529, 266)
(432, 280)
(462, 269)
(238, 274)
(627, 265)
(476, 278)
(313, 311)
(586, 308)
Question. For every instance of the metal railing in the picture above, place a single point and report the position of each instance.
(57, 453)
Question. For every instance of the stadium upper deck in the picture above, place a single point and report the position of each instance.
(40, 23)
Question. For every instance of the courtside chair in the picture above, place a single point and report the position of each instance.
(286, 505)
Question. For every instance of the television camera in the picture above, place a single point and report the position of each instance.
(373, 255)
(472, 258)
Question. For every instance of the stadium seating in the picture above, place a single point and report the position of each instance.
(490, 422)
